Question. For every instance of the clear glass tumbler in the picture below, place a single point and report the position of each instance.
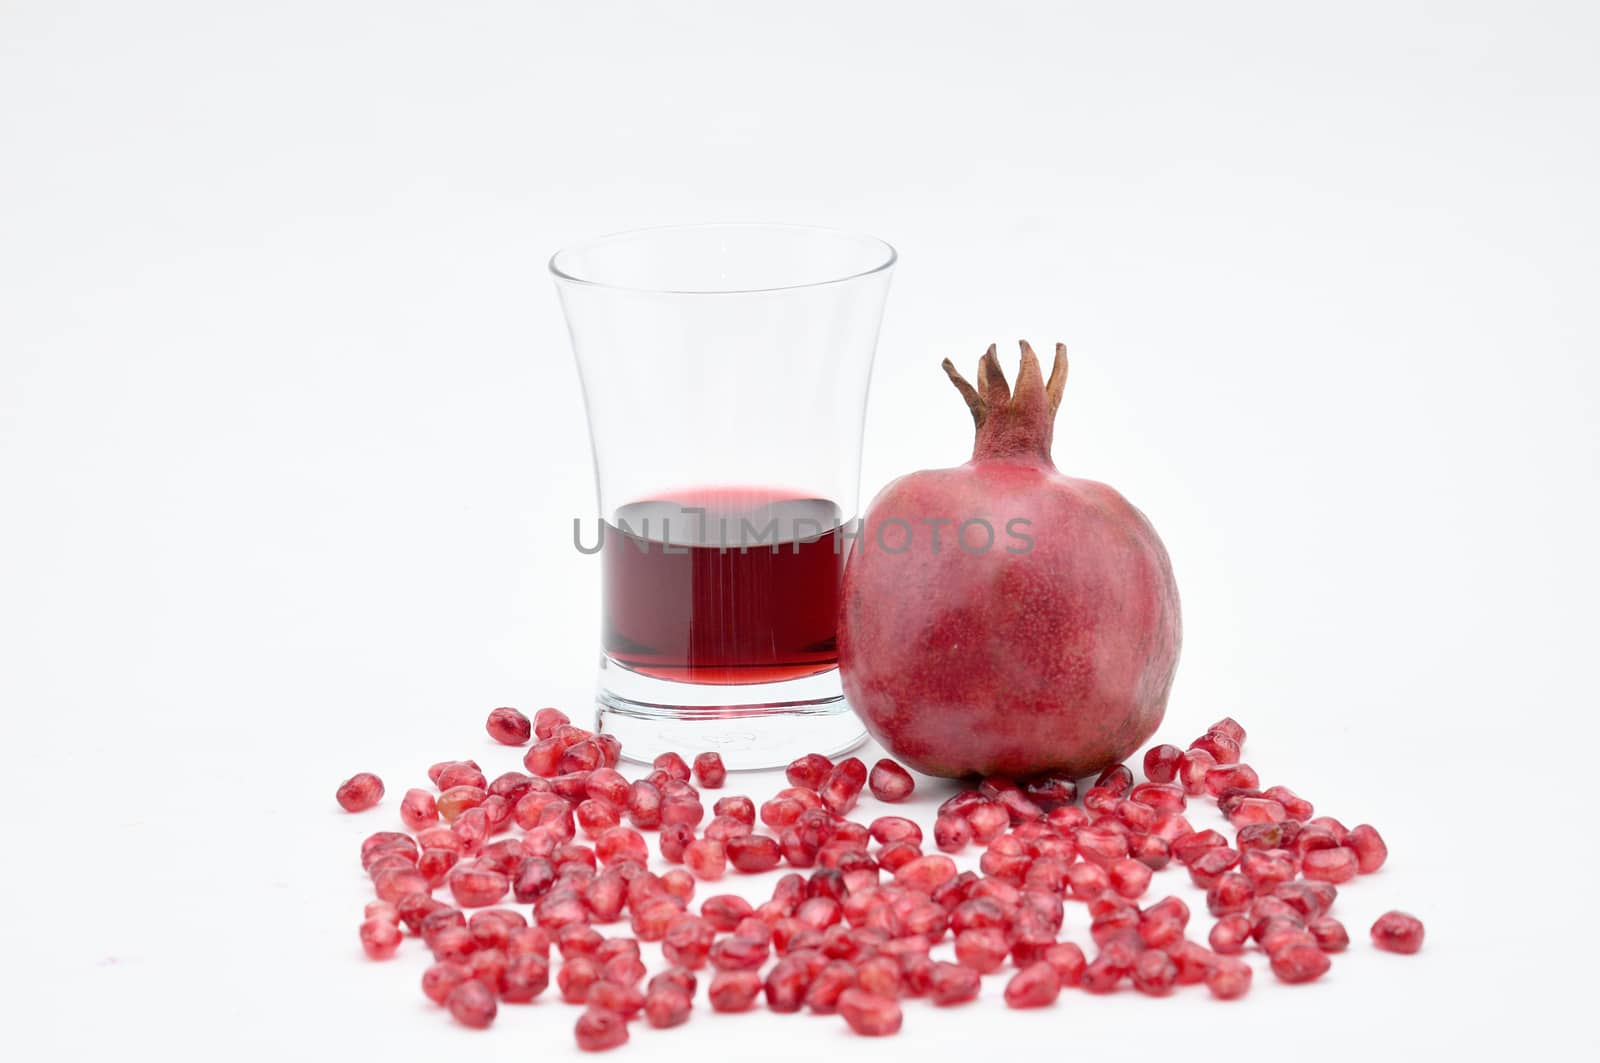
(725, 372)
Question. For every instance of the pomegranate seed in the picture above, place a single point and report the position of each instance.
(725, 910)
(1035, 986)
(752, 853)
(547, 721)
(439, 979)
(1397, 932)
(380, 938)
(1230, 893)
(1230, 934)
(706, 859)
(380, 910)
(890, 782)
(1368, 846)
(1192, 771)
(982, 948)
(1229, 777)
(988, 821)
(359, 792)
(1329, 865)
(1154, 973)
(1209, 865)
(475, 887)
(687, 942)
(1161, 763)
(781, 813)
(471, 1004)
(674, 765)
(786, 985)
(509, 727)
(417, 810)
(1118, 779)
(395, 883)
(1297, 807)
(582, 756)
(458, 773)
(887, 829)
(1299, 962)
(709, 771)
(1129, 877)
(596, 817)
(843, 785)
(809, 771)
(679, 883)
(736, 807)
(822, 995)
(578, 939)
(1102, 975)
(951, 983)
(544, 757)
(457, 799)
(1194, 962)
(1087, 880)
(880, 976)
(1228, 978)
(678, 809)
(869, 1014)
(734, 990)
(1230, 727)
(666, 1006)
(1164, 798)
(619, 844)
(738, 953)
(599, 1029)
(926, 873)
(1223, 749)
(1050, 792)
(625, 1000)
(1330, 934)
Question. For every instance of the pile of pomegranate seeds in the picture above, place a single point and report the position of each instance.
(852, 928)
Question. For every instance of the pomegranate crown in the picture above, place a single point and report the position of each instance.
(1013, 424)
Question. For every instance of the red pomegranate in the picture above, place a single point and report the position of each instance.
(1000, 618)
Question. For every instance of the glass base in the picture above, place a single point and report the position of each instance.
(763, 725)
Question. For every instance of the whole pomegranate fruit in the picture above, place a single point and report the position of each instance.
(1000, 618)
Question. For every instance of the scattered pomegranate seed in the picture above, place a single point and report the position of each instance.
(380, 937)
(1367, 844)
(1154, 973)
(1192, 771)
(1330, 865)
(359, 792)
(1230, 934)
(1397, 932)
(983, 949)
(890, 782)
(599, 1029)
(734, 990)
(869, 1014)
(843, 785)
(709, 772)
(1228, 978)
(1161, 763)
(674, 765)
(752, 853)
(1299, 962)
(1035, 986)
(509, 727)
(472, 1004)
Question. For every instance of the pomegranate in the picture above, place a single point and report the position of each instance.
(1038, 633)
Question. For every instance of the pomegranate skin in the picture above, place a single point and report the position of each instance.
(1053, 653)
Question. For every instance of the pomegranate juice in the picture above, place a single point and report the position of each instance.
(723, 586)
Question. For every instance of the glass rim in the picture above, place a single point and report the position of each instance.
(889, 257)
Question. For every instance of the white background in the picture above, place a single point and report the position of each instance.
(290, 440)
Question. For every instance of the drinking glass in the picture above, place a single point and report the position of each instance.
(725, 372)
